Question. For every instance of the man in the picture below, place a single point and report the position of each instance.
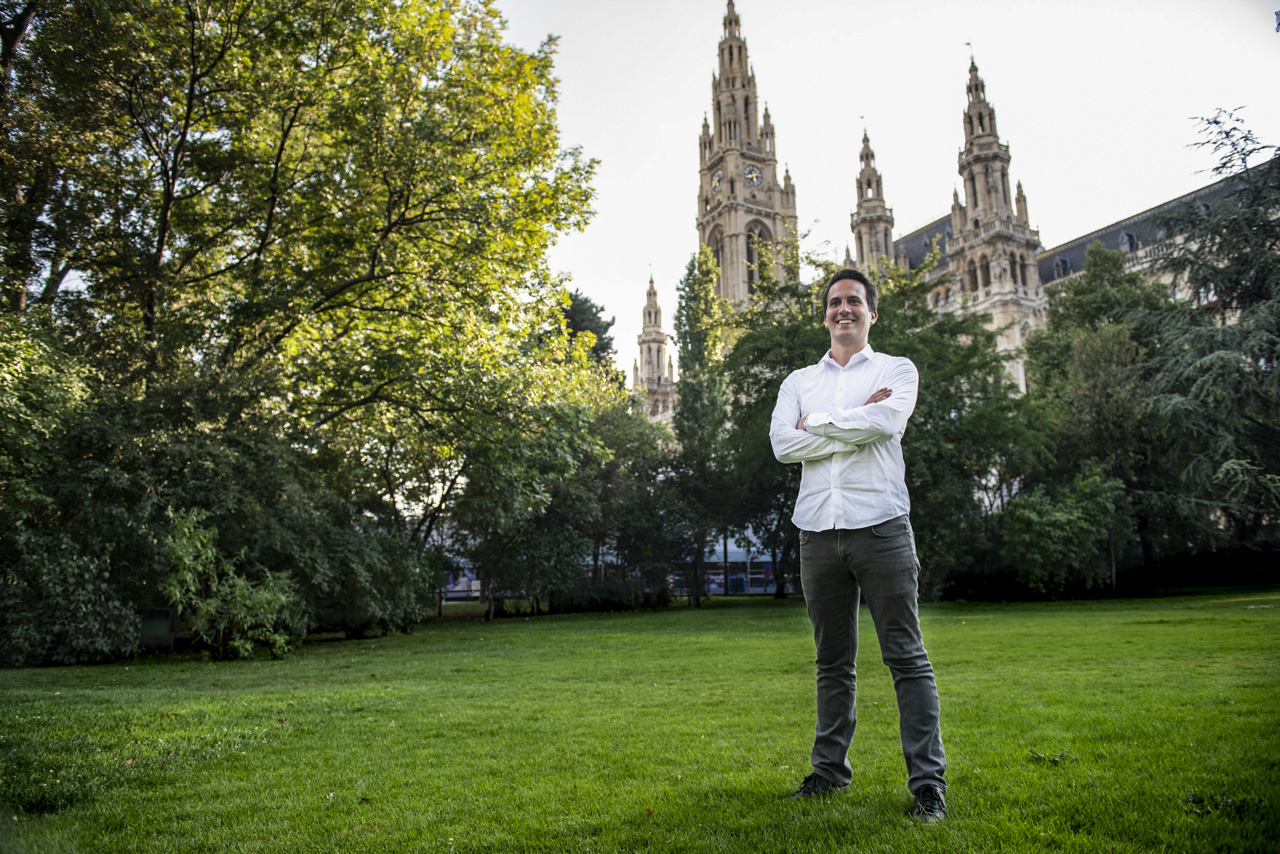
(843, 418)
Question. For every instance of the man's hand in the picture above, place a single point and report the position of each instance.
(879, 395)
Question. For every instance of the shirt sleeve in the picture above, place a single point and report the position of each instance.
(875, 422)
(796, 446)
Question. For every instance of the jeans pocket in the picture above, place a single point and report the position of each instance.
(804, 537)
(895, 527)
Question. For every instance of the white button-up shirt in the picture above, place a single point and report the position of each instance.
(852, 453)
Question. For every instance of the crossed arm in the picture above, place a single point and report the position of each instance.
(798, 436)
(796, 444)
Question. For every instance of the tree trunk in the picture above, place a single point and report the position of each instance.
(779, 577)
(725, 555)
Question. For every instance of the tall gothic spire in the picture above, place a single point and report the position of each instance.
(741, 201)
(652, 374)
(872, 222)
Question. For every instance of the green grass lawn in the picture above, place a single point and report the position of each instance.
(1145, 725)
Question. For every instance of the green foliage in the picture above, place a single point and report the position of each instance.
(1214, 373)
(584, 315)
(307, 241)
(1060, 538)
(228, 612)
(971, 438)
(701, 414)
(41, 391)
(1086, 366)
(780, 331)
(58, 605)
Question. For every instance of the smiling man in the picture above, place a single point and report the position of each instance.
(843, 418)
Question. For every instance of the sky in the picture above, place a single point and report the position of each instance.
(1095, 99)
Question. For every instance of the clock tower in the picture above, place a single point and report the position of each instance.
(741, 203)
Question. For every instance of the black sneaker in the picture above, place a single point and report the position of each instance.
(815, 785)
(930, 804)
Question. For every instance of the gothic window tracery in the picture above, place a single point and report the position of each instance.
(756, 234)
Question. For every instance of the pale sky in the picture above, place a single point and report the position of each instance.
(1094, 98)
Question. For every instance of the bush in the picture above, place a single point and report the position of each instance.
(596, 596)
(369, 582)
(59, 606)
(227, 612)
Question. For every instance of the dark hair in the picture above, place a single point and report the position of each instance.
(873, 296)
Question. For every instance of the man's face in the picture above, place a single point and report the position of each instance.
(847, 317)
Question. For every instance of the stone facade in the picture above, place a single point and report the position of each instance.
(652, 374)
(988, 245)
(994, 259)
(740, 200)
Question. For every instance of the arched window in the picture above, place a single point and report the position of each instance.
(1013, 268)
(985, 267)
(1022, 266)
(716, 244)
(973, 276)
(756, 235)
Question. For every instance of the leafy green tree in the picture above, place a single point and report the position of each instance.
(1058, 537)
(621, 481)
(1086, 366)
(971, 439)
(298, 251)
(701, 414)
(227, 612)
(584, 315)
(1214, 373)
(781, 331)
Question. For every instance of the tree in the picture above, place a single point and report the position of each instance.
(701, 414)
(1215, 372)
(780, 332)
(1057, 537)
(305, 239)
(1086, 366)
(582, 314)
(971, 438)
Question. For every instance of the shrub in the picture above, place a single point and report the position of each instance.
(59, 606)
(226, 611)
(596, 596)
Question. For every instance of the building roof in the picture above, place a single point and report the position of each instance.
(919, 243)
(1131, 234)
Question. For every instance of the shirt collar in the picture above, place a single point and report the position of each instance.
(863, 355)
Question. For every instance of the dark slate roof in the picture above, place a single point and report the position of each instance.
(920, 242)
(1129, 234)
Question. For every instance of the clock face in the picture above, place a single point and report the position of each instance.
(753, 175)
(717, 178)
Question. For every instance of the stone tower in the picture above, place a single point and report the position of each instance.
(992, 251)
(740, 200)
(872, 221)
(653, 374)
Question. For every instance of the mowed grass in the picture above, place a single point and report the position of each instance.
(1120, 726)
